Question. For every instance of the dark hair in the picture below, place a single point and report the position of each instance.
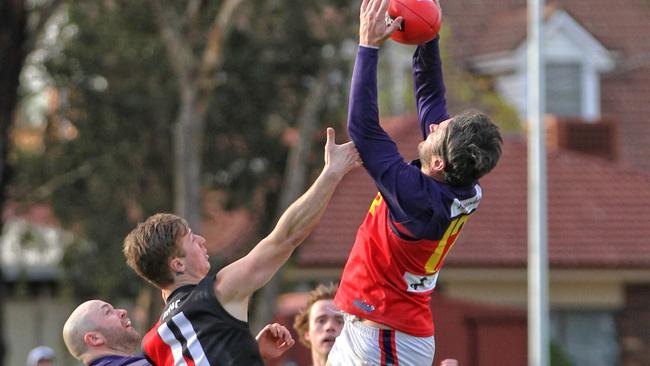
(471, 148)
(149, 247)
(301, 321)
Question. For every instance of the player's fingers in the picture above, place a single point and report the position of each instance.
(351, 149)
(286, 345)
(330, 136)
(383, 6)
(275, 330)
(279, 331)
(285, 334)
(394, 25)
(376, 5)
(364, 6)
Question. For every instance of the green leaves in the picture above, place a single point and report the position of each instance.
(118, 99)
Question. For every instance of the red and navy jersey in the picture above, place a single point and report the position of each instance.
(195, 329)
(388, 277)
(414, 220)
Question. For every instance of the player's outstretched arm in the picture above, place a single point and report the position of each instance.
(237, 281)
(429, 87)
(428, 84)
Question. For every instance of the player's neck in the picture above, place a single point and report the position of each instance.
(178, 282)
(435, 174)
(318, 358)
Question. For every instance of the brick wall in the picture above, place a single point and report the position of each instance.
(634, 326)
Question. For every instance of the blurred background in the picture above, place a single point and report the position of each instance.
(112, 110)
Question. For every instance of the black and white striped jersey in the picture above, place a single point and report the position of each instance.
(195, 330)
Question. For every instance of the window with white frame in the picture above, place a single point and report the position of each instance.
(574, 59)
(588, 337)
(564, 89)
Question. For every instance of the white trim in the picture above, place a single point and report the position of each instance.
(193, 344)
(591, 49)
(566, 42)
(590, 92)
(174, 344)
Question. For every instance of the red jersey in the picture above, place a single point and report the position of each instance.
(411, 226)
(389, 279)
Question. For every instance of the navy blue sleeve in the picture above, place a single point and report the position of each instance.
(407, 191)
(429, 86)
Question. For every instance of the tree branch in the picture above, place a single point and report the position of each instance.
(213, 53)
(178, 51)
(48, 188)
(192, 14)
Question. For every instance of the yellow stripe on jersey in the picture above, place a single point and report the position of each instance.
(376, 202)
(448, 239)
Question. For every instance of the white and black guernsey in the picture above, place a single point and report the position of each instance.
(195, 330)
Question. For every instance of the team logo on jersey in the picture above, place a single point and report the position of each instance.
(467, 206)
(171, 307)
(420, 283)
(363, 305)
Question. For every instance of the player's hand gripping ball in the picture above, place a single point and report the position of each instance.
(421, 20)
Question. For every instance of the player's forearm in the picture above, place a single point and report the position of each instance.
(429, 85)
(375, 147)
(300, 219)
(363, 112)
(295, 224)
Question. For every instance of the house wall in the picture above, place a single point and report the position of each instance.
(598, 317)
(634, 326)
(35, 322)
(567, 288)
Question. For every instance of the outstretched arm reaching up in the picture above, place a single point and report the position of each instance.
(236, 282)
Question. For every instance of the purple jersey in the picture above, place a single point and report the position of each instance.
(417, 203)
(139, 360)
(413, 223)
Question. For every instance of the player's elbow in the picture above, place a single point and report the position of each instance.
(293, 240)
(287, 242)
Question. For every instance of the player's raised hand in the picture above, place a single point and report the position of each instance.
(373, 28)
(340, 159)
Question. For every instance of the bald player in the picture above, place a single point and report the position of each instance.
(98, 334)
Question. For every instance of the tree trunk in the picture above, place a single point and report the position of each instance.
(188, 141)
(13, 19)
(196, 82)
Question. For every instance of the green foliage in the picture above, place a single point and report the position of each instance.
(120, 96)
(265, 79)
(118, 93)
(559, 357)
